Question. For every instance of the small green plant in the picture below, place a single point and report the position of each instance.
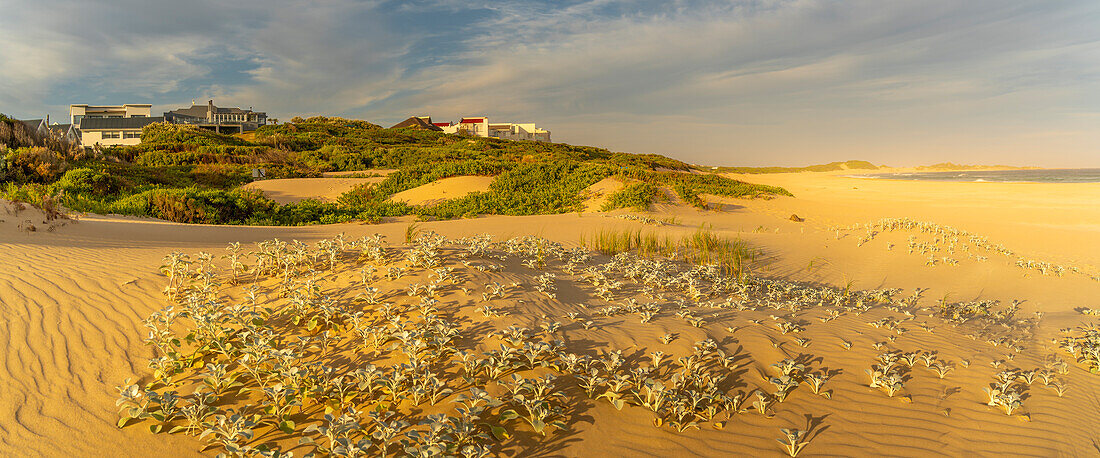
(792, 441)
(412, 231)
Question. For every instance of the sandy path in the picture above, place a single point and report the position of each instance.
(291, 190)
(444, 189)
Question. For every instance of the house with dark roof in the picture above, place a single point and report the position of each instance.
(219, 119)
(42, 127)
(419, 123)
(114, 131)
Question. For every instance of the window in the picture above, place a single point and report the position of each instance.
(137, 116)
(110, 134)
(131, 134)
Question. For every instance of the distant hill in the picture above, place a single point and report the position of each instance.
(953, 166)
(846, 165)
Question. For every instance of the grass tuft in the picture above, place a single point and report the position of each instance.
(703, 246)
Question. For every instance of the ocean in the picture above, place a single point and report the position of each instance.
(996, 176)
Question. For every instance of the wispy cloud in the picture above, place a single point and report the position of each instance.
(791, 81)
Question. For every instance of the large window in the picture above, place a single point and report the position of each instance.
(110, 134)
(131, 134)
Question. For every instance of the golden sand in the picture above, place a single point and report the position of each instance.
(73, 299)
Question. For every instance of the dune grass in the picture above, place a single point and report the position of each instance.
(704, 246)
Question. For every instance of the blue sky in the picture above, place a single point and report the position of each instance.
(902, 82)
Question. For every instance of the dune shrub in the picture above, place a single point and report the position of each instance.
(638, 196)
(88, 181)
(205, 206)
(34, 164)
(185, 134)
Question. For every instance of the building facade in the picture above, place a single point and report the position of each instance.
(219, 119)
(479, 126)
(114, 131)
(78, 112)
(524, 131)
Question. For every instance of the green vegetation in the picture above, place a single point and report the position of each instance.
(185, 174)
(703, 247)
(636, 195)
(846, 165)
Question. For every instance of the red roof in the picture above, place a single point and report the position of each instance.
(442, 124)
(472, 120)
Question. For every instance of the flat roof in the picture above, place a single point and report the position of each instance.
(118, 123)
(111, 106)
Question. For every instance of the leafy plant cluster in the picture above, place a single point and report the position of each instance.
(638, 196)
(290, 366)
(1083, 344)
(359, 347)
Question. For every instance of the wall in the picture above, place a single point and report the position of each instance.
(91, 137)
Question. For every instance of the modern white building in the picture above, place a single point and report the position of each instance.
(477, 126)
(114, 131)
(481, 127)
(77, 112)
(524, 131)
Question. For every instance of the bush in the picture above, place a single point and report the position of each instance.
(88, 181)
(183, 134)
(637, 196)
(220, 176)
(34, 164)
(192, 205)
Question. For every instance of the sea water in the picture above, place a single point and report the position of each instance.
(997, 176)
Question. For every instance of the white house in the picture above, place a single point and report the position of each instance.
(114, 131)
(477, 126)
(77, 112)
(524, 131)
(481, 127)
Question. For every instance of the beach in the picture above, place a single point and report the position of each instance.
(75, 296)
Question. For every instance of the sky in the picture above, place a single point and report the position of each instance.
(768, 82)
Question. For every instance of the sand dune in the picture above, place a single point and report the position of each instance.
(444, 189)
(602, 190)
(291, 190)
(73, 300)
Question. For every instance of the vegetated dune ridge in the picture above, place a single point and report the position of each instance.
(291, 190)
(74, 299)
(443, 189)
(352, 173)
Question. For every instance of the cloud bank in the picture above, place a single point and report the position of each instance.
(716, 82)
